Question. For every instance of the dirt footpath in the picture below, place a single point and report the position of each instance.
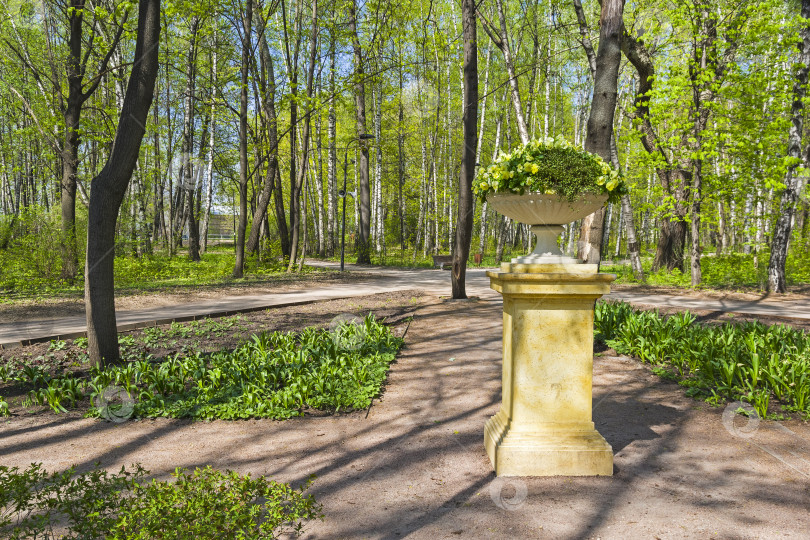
(414, 466)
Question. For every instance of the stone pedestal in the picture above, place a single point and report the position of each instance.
(544, 426)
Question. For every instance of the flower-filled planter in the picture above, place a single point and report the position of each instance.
(546, 184)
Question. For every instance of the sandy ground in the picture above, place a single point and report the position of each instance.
(414, 465)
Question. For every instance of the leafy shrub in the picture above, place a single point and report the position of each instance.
(204, 504)
(230, 505)
(36, 504)
(747, 361)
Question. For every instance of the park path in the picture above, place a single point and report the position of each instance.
(414, 466)
(383, 279)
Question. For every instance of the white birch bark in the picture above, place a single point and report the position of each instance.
(506, 48)
(331, 166)
(209, 180)
(318, 181)
(377, 219)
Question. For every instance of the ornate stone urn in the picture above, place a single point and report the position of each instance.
(544, 425)
(546, 214)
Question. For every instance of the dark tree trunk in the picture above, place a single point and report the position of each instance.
(70, 146)
(268, 82)
(298, 180)
(466, 208)
(292, 69)
(239, 267)
(70, 162)
(364, 192)
(672, 239)
(109, 187)
(777, 281)
(189, 176)
(401, 164)
(608, 57)
(671, 244)
(195, 199)
(603, 109)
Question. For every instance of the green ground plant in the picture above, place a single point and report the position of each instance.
(730, 362)
(734, 271)
(273, 375)
(31, 270)
(204, 504)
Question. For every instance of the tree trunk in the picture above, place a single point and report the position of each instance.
(600, 120)
(331, 164)
(292, 74)
(502, 42)
(189, 177)
(318, 207)
(619, 224)
(267, 80)
(377, 218)
(633, 249)
(298, 183)
(777, 281)
(247, 50)
(209, 181)
(70, 145)
(364, 196)
(109, 187)
(673, 178)
(401, 164)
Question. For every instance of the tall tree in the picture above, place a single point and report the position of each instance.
(777, 282)
(109, 187)
(500, 37)
(362, 244)
(247, 51)
(674, 179)
(603, 108)
(267, 85)
(298, 181)
(81, 49)
(466, 208)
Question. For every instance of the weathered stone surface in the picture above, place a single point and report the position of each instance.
(544, 425)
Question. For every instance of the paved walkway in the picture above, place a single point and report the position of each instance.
(386, 279)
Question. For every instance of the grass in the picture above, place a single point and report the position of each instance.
(733, 271)
(272, 375)
(747, 362)
(20, 280)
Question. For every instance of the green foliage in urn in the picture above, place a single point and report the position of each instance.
(551, 166)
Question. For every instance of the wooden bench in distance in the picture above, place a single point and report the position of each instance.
(440, 260)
